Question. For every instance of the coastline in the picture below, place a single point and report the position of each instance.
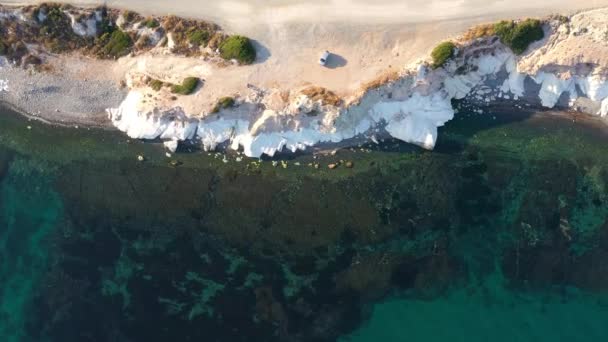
(410, 104)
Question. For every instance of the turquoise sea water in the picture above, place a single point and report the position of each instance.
(29, 211)
(501, 234)
(488, 313)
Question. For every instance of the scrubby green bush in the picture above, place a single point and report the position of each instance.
(518, 36)
(3, 49)
(239, 48)
(116, 44)
(187, 87)
(151, 23)
(441, 53)
(223, 103)
(198, 37)
(156, 84)
(129, 16)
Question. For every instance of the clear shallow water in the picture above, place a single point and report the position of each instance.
(500, 234)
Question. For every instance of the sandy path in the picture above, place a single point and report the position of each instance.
(368, 36)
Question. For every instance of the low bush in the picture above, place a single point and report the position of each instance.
(239, 48)
(223, 103)
(442, 53)
(3, 49)
(156, 84)
(151, 23)
(56, 30)
(187, 87)
(130, 17)
(115, 44)
(198, 37)
(518, 36)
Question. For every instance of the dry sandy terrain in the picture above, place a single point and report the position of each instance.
(367, 37)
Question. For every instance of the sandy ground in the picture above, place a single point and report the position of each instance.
(366, 37)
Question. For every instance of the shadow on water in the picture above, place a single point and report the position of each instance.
(262, 52)
(453, 137)
(335, 61)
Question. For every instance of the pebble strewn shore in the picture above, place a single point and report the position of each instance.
(59, 99)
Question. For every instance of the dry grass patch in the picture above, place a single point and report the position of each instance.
(327, 97)
(479, 31)
(383, 79)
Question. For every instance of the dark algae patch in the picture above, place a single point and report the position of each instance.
(500, 234)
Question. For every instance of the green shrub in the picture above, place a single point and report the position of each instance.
(116, 44)
(198, 37)
(519, 36)
(156, 84)
(187, 87)
(56, 27)
(129, 16)
(3, 49)
(441, 53)
(239, 48)
(151, 23)
(223, 103)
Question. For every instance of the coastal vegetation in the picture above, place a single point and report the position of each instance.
(327, 97)
(187, 87)
(198, 37)
(156, 84)
(130, 17)
(479, 31)
(239, 48)
(518, 36)
(60, 28)
(442, 53)
(55, 30)
(223, 103)
(189, 35)
(115, 44)
(151, 23)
